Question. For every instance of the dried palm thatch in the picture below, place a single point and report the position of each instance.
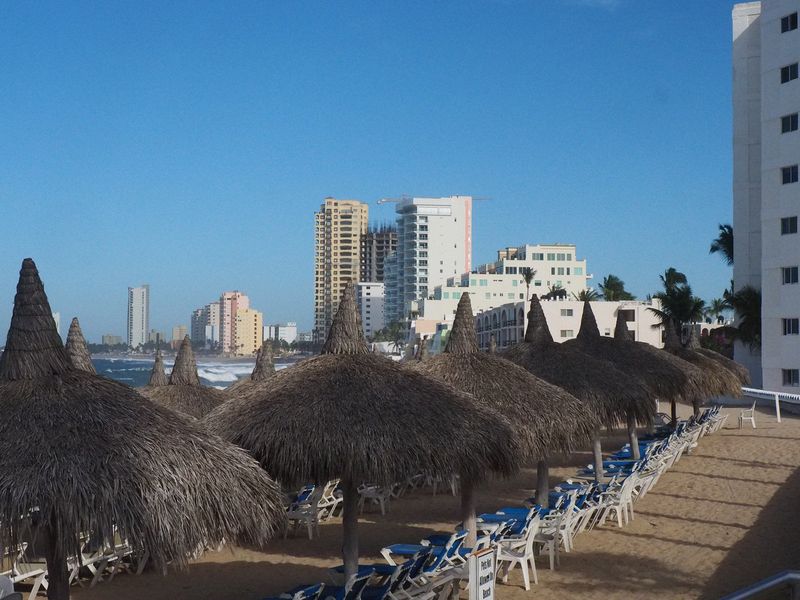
(612, 395)
(77, 350)
(157, 375)
(546, 419)
(79, 452)
(718, 380)
(665, 377)
(263, 370)
(184, 393)
(621, 331)
(737, 369)
(363, 418)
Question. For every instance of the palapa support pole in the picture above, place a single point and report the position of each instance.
(468, 517)
(597, 451)
(57, 574)
(673, 407)
(633, 438)
(543, 483)
(350, 525)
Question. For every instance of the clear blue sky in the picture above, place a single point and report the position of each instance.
(187, 144)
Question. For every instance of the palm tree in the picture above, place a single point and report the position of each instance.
(723, 243)
(555, 287)
(717, 309)
(527, 276)
(746, 303)
(678, 305)
(587, 294)
(671, 279)
(613, 289)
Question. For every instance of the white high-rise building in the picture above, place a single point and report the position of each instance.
(766, 189)
(434, 243)
(285, 332)
(138, 315)
(370, 296)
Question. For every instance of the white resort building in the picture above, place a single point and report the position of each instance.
(766, 187)
(498, 283)
(507, 322)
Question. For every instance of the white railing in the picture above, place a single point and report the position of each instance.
(777, 397)
(790, 579)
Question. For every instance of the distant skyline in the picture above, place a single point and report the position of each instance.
(187, 145)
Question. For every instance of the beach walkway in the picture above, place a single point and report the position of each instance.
(722, 518)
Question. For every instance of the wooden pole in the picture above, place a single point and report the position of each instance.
(543, 483)
(57, 575)
(350, 525)
(674, 410)
(468, 511)
(633, 438)
(597, 451)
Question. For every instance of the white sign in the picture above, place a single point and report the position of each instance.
(481, 574)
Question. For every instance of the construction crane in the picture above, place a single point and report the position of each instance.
(407, 197)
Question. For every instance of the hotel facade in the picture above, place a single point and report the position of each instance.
(766, 190)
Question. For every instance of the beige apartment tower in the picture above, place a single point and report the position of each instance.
(249, 331)
(339, 227)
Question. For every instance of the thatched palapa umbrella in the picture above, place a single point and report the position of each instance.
(741, 372)
(79, 452)
(157, 376)
(665, 376)
(545, 418)
(363, 418)
(719, 380)
(77, 350)
(184, 392)
(263, 370)
(613, 396)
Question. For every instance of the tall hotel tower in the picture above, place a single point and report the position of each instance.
(138, 315)
(339, 227)
(766, 190)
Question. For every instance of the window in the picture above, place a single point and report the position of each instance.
(537, 283)
(791, 377)
(566, 312)
(551, 256)
(552, 270)
(791, 326)
(446, 295)
(788, 73)
(789, 275)
(567, 333)
(514, 283)
(560, 256)
(578, 271)
(789, 22)
(789, 174)
(789, 123)
(560, 270)
(537, 256)
(484, 282)
(788, 225)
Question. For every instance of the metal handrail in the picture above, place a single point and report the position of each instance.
(784, 577)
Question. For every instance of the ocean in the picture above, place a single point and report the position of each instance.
(136, 371)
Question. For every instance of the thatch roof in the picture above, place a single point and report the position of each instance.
(621, 331)
(92, 455)
(665, 377)
(741, 372)
(77, 350)
(185, 393)
(263, 370)
(423, 353)
(546, 419)
(612, 395)
(367, 418)
(157, 375)
(717, 379)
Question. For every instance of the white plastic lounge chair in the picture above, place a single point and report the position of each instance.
(513, 551)
(306, 512)
(748, 415)
(330, 501)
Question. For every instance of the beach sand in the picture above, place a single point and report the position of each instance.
(722, 518)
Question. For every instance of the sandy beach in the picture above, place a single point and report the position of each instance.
(722, 518)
